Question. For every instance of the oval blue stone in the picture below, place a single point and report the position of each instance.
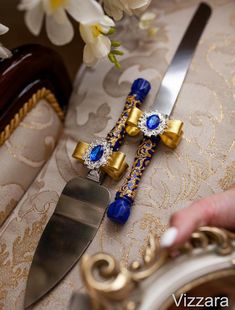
(153, 122)
(96, 153)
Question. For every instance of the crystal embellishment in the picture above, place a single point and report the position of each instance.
(152, 123)
(97, 154)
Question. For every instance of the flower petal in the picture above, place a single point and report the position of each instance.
(4, 52)
(88, 57)
(107, 21)
(60, 16)
(59, 32)
(3, 29)
(116, 13)
(85, 11)
(139, 4)
(28, 4)
(102, 46)
(86, 33)
(114, 9)
(34, 19)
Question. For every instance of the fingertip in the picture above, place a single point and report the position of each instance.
(185, 224)
(176, 219)
(169, 237)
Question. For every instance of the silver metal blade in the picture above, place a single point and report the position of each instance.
(70, 230)
(174, 77)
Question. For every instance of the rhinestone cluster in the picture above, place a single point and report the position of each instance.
(97, 154)
(152, 123)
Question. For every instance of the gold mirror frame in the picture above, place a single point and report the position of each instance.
(209, 254)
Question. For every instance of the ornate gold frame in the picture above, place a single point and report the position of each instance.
(109, 283)
(42, 93)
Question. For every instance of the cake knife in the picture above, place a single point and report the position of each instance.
(156, 125)
(81, 206)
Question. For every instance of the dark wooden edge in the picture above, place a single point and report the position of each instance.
(30, 68)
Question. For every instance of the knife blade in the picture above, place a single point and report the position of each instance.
(174, 77)
(119, 210)
(77, 216)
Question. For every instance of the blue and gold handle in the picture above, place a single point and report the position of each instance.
(104, 154)
(139, 90)
(155, 127)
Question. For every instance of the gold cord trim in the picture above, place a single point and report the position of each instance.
(42, 93)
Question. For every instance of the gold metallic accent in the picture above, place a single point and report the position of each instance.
(108, 281)
(173, 133)
(42, 93)
(132, 130)
(142, 159)
(118, 132)
(132, 122)
(171, 136)
(80, 150)
(219, 236)
(115, 167)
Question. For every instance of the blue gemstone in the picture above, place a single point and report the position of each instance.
(119, 210)
(96, 153)
(153, 122)
(140, 88)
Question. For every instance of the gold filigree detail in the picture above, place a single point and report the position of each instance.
(142, 159)
(9, 207)
(228, 178)
(118, 282)
(118, 132)
(108, 281)
(42, 93)
(14, 269)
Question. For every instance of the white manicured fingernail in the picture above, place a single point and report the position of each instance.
(169, 237)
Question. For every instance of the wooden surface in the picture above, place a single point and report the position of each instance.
(30, 68)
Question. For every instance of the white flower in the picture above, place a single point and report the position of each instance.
(94, 34)
(58, 26)
(116, 8)
(4, 52)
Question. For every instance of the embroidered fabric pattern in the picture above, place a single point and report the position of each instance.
(201, 165)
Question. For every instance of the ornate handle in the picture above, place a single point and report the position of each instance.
(119, 210)
(139, 90)
(154, 126)
(103, 155)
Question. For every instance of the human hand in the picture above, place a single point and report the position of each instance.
(216, 210)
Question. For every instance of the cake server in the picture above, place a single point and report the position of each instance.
(81, 206)
(156, 125)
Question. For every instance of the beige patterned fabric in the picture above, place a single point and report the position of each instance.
(203, 164)
(24, 154)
